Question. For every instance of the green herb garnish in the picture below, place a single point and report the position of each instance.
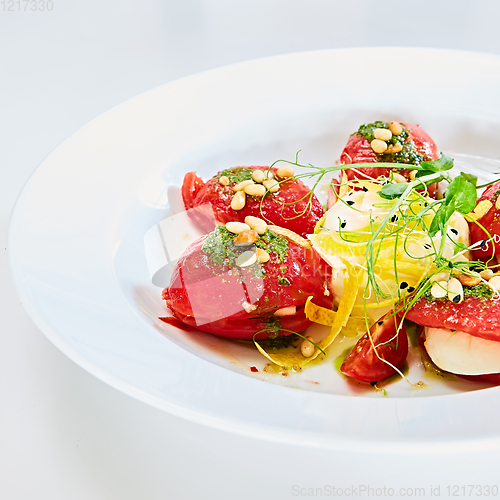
(272, 243)
(237, 174)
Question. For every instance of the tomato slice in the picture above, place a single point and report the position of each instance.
(476, 316)
(491, 223)
(390, 343)
(291, 207)
(359, 150)
(238, 302)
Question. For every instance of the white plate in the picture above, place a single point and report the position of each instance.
(77, 253)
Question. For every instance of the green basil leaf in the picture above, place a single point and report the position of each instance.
(391, 191)
(442, 163)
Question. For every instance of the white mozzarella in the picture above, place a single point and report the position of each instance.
(462, 353)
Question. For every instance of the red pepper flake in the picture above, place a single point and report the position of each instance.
(254, 369)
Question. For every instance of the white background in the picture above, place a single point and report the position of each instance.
(66, 435)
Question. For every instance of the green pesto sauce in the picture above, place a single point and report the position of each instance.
(219, 246)
(408, 154)
(481, 291)
(283, 281)
(273, 326)
(277, 344)
(273, 244)
(237, 174)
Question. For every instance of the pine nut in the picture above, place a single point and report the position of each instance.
(246, 258)
(286, 311)
(413, 174)
(442, 276)
(495, 283)
(455, 291)
(237, 227)
(306, 348)
(497, 203)
(286, 171)
(258, 176)
(439, 289)
(468, 280)
(238, 201)
(378, 146)
(224, 180)
(242, 185)
(255, 190)
(399, 178)
(262, 255)
(395, 128)
(397, 148)
(383, 134)
(271, 185)
(259, 225)
(487, 274)
(246, 238)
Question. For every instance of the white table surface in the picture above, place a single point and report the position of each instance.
(66, 435)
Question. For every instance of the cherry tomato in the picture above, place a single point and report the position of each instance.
(491, 223)
(359, 150)
(287, 208)
(476, 316)
(238, 302)
(389, 340)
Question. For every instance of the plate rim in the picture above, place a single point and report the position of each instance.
(243, 428)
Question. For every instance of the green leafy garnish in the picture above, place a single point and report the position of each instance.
(392, 191)
(460, 196)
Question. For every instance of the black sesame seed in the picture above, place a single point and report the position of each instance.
(427, 246)
(456, 299)
(343, 224)
(350, 203)
(411, 289)
(373, 383)
(450, 264)
(394, 218)
(403, 285)
(365, 189)
(454, 231)
(380, 323)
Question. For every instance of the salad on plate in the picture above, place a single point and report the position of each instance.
(404, 252)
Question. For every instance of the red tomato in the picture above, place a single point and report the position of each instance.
(478, 317)
(358, 150)
(363, 362)
(286, 208)
(239, 302)
(491, 222)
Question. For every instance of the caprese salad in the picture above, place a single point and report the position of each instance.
(388, 249)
